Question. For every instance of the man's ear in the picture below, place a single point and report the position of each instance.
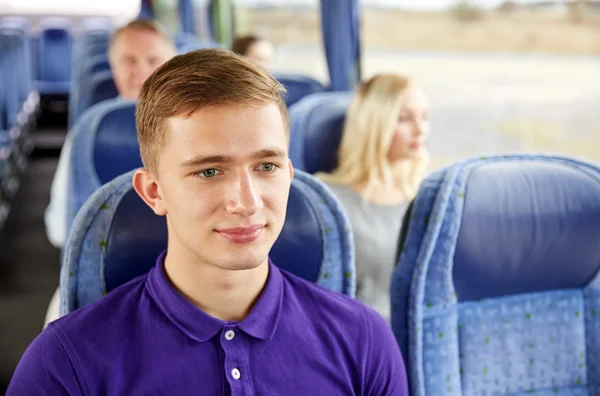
(146, 185)
(291, 166)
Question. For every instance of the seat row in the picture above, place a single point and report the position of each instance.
(19, 108)
(496, 291)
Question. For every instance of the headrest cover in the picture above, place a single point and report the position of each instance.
(116, 149)
(317, 126)
(527, 226)
(116, 237)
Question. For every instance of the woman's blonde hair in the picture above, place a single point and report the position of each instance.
(368, 132)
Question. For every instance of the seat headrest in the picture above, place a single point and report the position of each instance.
(527, 225)
(316, 130)
(298, 87)
(117, 237)
(116, 149)
(56, 34)
(102, 87)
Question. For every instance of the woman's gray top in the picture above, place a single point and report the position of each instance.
(376, 233)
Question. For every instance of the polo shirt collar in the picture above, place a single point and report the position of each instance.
(260, 323)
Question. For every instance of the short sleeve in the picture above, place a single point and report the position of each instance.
(386, 371)
(45, 369)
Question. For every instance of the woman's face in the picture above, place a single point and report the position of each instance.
(261, 53)
(412, 127)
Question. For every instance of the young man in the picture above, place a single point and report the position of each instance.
(215, 316)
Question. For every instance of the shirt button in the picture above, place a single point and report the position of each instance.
(235, 373)
(229, 335)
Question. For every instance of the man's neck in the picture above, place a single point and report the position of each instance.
(223, 294)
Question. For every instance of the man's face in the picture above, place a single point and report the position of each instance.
(224, 180)
(134, 56)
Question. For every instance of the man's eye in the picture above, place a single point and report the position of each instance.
(268, 167)
(208, 173)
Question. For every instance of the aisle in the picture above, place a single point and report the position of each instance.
(29, 264)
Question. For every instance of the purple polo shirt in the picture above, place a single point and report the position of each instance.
(144, 338)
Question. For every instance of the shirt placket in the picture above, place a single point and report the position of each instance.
(235, 348)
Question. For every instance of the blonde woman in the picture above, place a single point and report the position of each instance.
(381, 162)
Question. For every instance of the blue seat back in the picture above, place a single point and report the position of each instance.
(116, 149)
(116, 237)
(89, 57)
(298, 87)
(102, 87)
(101, 64)
(101, 151)
(93, 47)
(15, 76)
(316, 126)
(497, 288)
(23, 28)
(98, 88)
(21, 22)
(55, 50)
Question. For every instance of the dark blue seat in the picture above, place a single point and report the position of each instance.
(19, 97)
(95, 64)
(98, 88)
(54, 56)
(116, 237)
(89, 48)
(316, 125)
(298, 86)
(497, 289)
(102, 151)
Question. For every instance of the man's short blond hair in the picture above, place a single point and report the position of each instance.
(195, 80)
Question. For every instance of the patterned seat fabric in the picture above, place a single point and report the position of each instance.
(316, 124)
(497, 289)
(104, 146)
(116, 237)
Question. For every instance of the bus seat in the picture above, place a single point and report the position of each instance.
(102, 151)
(83, 55)
(100, 87)
(298, 87)
(316, 124)
(117, 237)
(100, 63)
(19, 21)
(20, 100)
(497, 289)
(54, 56)
(11, 65)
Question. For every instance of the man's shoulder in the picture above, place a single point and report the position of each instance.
(112, 311)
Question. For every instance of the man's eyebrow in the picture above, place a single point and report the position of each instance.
(207, 159)
(269, 152)
(220, 159)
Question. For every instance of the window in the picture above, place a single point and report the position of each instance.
(503, 76)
